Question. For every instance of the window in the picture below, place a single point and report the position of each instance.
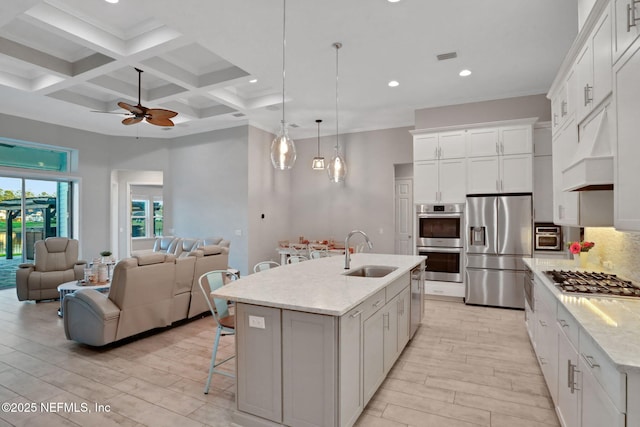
(147, 211)
(157, 217)
(139, 216)
(18, 154)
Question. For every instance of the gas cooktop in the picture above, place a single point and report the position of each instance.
(591, 283)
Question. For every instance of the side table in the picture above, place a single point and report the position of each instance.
(69, 287)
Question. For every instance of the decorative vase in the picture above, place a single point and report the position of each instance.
(584, 257)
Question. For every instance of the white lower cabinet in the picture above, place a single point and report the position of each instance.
(586, 388)
(305, 369)
(567, 405)
(597, 410)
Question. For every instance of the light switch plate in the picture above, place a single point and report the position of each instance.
(256, 322)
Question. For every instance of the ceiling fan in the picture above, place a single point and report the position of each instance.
(155, 116)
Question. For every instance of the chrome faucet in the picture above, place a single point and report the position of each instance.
(347, 258)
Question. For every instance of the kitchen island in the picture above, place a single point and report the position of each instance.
(588, 348)
(313, 344)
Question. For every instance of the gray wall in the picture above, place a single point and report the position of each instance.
(321, 209)
(487, 111)
(270, 193)
(206, 189)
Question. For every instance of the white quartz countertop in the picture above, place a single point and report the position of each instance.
(613, 323)
(318, 285)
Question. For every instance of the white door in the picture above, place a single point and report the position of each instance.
(404, 216)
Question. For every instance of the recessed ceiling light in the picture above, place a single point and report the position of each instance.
(253, 80)
(393, 1)
(112, 1)
(464, 73)
(393, 83)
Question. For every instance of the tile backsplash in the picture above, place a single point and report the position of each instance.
(621, 248)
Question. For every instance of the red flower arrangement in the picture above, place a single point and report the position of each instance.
(577, 247)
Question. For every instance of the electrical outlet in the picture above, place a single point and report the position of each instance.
(238, 232)
(256, 322)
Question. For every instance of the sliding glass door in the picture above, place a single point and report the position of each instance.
(30, 210)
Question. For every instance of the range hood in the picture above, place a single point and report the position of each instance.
(592, 166)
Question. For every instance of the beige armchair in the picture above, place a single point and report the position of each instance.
(56, 262)
(165, 244)
(140, 299)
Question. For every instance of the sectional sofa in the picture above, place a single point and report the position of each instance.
(149, 290)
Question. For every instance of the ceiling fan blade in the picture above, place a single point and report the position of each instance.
(160, 113)
(160, 121)
(135, 109)
(131, 120)
(108, 112)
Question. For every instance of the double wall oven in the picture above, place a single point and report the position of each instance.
(439, 237)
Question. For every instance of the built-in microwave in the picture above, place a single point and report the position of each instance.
(547, 237)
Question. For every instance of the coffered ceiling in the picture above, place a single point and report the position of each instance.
(66, 61)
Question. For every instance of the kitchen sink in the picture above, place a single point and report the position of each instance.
(371, 271)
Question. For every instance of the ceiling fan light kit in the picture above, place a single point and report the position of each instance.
(283, 149)
(154, 116)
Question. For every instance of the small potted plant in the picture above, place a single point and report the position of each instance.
(106, 257)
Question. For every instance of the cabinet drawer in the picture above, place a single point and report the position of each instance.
(568, 325)
(397, 286)
(604, 371)
(372, 304)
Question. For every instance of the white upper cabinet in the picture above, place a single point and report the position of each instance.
(626, 18)
(444, 145)
(516, 140)
(483, 142)
(627, 154)
(593, 66)
(452, 145)
(425, 147)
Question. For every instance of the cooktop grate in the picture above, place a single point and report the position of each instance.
(592, 283)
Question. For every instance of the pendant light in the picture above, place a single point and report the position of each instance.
(283, 150)
(337, 168)
(318, 161)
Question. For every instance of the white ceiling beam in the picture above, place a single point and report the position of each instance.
(33, 56)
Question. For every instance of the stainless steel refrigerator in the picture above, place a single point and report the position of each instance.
(499, 235)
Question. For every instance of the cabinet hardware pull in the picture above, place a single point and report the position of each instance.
(563, 323)
(631, 14)
(497, 147)
(377, 304)
(435, 153)
(587, 94)
(563, 108)
(542, 362)
(574, 387)
(502, 147)
(439, 152)
(356, 314)
(590, 361)
(542, 323)
(501, 185)
(569, 373)
(555, 119)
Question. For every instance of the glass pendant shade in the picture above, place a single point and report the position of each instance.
(318, 163)
(283, 150)
(337, 168)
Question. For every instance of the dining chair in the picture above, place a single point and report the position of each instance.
(296, 259)
(318, 253)
(225, 321)
(264, 265)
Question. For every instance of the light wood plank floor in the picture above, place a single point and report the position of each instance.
(467, 366)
